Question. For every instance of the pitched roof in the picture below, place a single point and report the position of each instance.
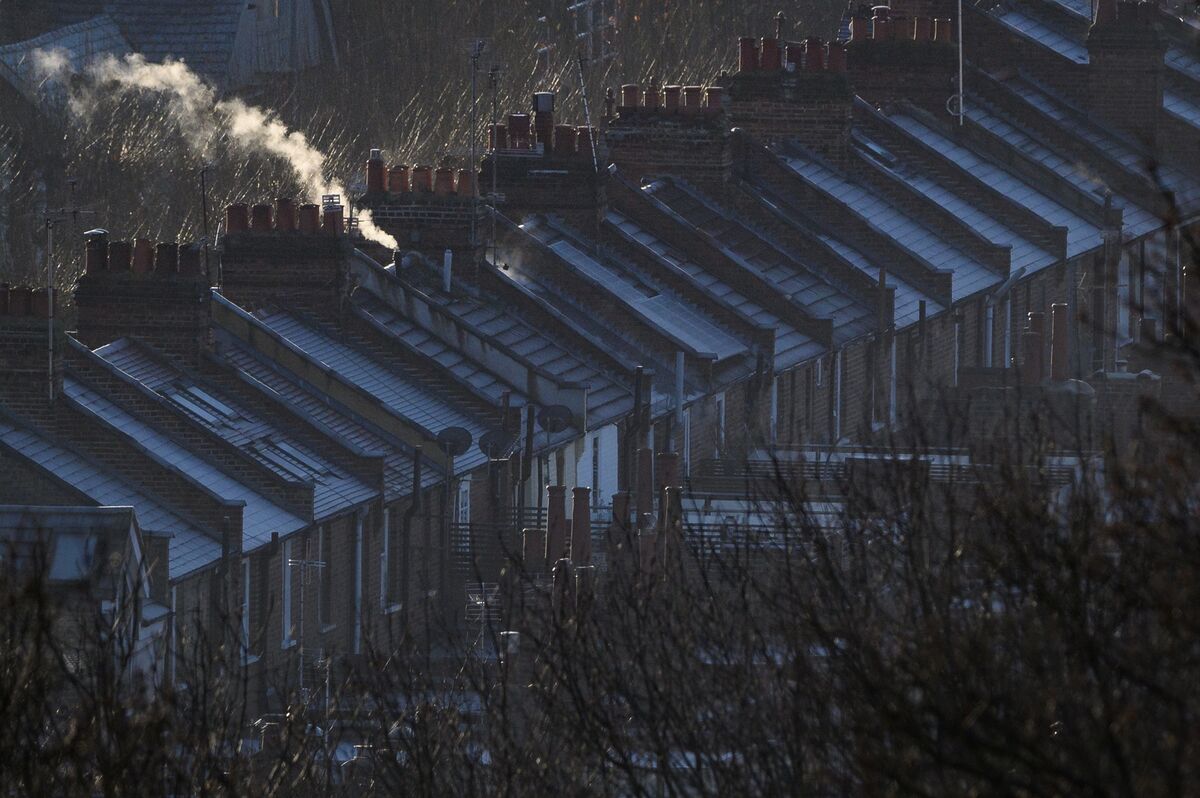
(198, 32)
(420, 403)
(188, 550)
(260, 517)
(349, 428)
(80, 43)
(334, 489)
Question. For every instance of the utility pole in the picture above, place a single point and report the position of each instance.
(494, 84)
(477, 48)
(303, 563)
(204, 216)
(53, 218)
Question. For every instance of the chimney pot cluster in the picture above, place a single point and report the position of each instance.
(675, 99)
(564, 141)
(419, 179)
(23, 302)
(284, 217)
(880, 24)
(141, 258)
(811, 55)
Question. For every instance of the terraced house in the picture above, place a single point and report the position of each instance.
(824, 245)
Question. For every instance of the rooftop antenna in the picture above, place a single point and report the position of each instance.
(957, 104)
(477, 48)
(544, 52)
(587, 118)
(962, 89)
(204, 216)
(53, 218)
(493, 197)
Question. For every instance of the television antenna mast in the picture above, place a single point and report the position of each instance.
(55, 217)
(957, 104)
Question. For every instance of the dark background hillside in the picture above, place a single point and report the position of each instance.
(401, 82)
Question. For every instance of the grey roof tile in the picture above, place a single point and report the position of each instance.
(198, 32)
(188, 550)
(334, 490)
(1082, 235)
(398, 392)
(260, 518)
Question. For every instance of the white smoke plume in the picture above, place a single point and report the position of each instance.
(203, 118)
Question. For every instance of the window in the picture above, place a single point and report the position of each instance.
(462, 507)
(1007, 332)
(595, 470)
(774, 408)
(687, 442)
(325, 593)
(720, 424)
(957, 344)
(291, 460)
(837, 396)
(988, 322)
(462, 516)
(286, 602)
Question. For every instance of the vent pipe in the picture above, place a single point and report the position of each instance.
(447, 269)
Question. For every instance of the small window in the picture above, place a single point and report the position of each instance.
(687, 442)
(462, 507)
(462, 516)
(595, 470)
(292, 460)
(774, 409)
(720, 423)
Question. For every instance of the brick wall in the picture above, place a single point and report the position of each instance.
(304, 271)
(25, 366)
(431, 224)
(25, 483)
(1126, 71)
(535, 183)
(653, 141)
(922, 72)
(170, 310)
(813, 108)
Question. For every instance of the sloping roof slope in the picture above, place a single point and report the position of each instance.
(198, 32)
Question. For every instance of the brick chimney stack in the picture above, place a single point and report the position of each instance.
(278, 255)
(159, 294)
(29, 378)
(1125, 70)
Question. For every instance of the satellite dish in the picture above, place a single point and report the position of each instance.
(454, 440)
(554, 418)
(496, 444)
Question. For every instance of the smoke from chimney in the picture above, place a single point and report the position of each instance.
(202, 117)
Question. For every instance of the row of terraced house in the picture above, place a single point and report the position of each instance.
(340, 444)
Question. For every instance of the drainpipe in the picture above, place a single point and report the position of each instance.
(414, 507)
